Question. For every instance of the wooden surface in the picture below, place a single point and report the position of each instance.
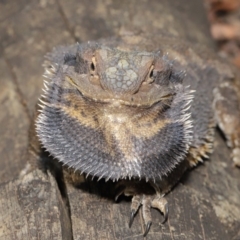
(205, 205)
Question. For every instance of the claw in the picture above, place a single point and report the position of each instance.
(117, 196)
(147, 228)
(165, 213)
(120, 191)
(131, 218)
(162, 205)
(136, 203)
(147, 201)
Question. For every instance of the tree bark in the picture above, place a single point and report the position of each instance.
(37, 205)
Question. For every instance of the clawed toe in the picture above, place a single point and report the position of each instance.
(136, 203)
(147, 203)
(119, 192)
(165, 213)
(131, 218)
(147, 228)
(161, 204)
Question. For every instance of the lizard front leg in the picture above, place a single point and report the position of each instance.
(145, 196)
(151, 194)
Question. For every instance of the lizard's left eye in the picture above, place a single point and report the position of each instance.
(151, 73)
(93, 65)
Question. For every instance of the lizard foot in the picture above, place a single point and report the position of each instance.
(146, 201)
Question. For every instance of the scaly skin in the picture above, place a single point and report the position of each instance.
(132, 108)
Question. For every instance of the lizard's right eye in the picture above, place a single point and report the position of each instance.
(92, 66)
(94, 79)
(150, 77)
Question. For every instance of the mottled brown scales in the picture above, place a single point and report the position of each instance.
(136, 110)
(197, 154)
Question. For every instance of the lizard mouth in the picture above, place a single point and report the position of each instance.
(145, 97)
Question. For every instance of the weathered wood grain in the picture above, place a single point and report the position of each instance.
(26, 36)
(13, 137)
(205, 205)
(31, 207)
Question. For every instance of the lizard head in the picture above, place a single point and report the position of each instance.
(130, 78)
(116, 113)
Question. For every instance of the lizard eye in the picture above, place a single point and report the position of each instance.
(151, 73)
(93, 65)
(150, 77)
(94, 79)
